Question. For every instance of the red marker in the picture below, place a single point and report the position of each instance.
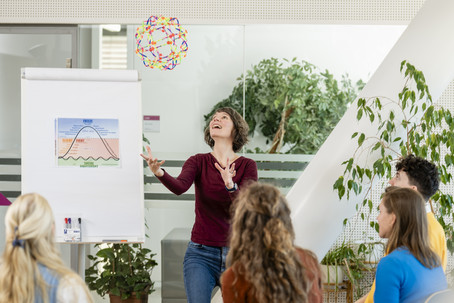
(66, 222)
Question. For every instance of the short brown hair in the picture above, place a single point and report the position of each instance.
(240, 129)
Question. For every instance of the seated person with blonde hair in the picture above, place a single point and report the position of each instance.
(265, 265)
(31, 269)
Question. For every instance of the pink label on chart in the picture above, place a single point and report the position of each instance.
(151, 118)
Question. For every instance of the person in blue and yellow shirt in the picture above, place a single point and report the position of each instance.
(422, 176)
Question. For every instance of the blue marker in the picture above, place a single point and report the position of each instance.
(69, 222)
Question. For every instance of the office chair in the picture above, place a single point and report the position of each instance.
(442, 296)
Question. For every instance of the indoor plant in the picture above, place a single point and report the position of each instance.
(346, 258)
(121, 270)
(412, 125)
(292, 103)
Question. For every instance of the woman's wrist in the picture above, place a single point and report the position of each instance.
(233, 187)
(159, 173)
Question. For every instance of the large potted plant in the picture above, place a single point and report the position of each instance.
(291, 103)
(123, 271)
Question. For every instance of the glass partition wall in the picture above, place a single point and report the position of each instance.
(217, 57)
(28, 46)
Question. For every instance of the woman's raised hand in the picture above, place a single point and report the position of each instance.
(153, 164)
(227, 173)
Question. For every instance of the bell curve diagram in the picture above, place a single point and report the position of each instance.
(87, 142)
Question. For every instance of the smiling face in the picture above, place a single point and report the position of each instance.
(385, 221)
(221, 125)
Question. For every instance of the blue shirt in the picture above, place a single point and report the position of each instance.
(51, 280)
(402, 278)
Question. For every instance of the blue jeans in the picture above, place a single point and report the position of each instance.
(202, 268)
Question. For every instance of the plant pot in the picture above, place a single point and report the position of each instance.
(132, 299)
(332, 274)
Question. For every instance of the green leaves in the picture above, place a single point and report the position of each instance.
(351, 259)
(361, 139)
(292, 103)
(339, 186)
(121, 269)
(374, 225)
(411, 125)
(359, 114)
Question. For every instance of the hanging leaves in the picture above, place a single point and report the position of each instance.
(426, 138)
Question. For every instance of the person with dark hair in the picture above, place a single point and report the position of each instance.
(264, 264)
(218, 176)
(411, 271)
(421, 175)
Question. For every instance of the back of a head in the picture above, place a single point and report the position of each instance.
(30, 219)
(410, 227)
(29, 240)
(421, 173)
(261, 212)
(262, 242)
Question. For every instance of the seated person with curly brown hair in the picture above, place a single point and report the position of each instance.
(265, 265)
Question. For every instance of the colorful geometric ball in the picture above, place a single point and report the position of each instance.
(161, 42)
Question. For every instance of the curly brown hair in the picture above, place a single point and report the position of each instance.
(262, 249)
(421, 173)
(240, 129)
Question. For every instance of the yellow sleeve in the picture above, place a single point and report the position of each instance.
(370, 295)
(437, 239)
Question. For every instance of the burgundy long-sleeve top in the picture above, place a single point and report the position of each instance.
(212, 200)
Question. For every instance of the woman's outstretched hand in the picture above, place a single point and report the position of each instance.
(227, 173)
(153, 164)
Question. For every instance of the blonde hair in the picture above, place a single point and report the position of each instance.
(262, 249)
(29, 225)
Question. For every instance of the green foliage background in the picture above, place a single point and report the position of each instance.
(121, 270)
(430, 137)
(291, 102)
